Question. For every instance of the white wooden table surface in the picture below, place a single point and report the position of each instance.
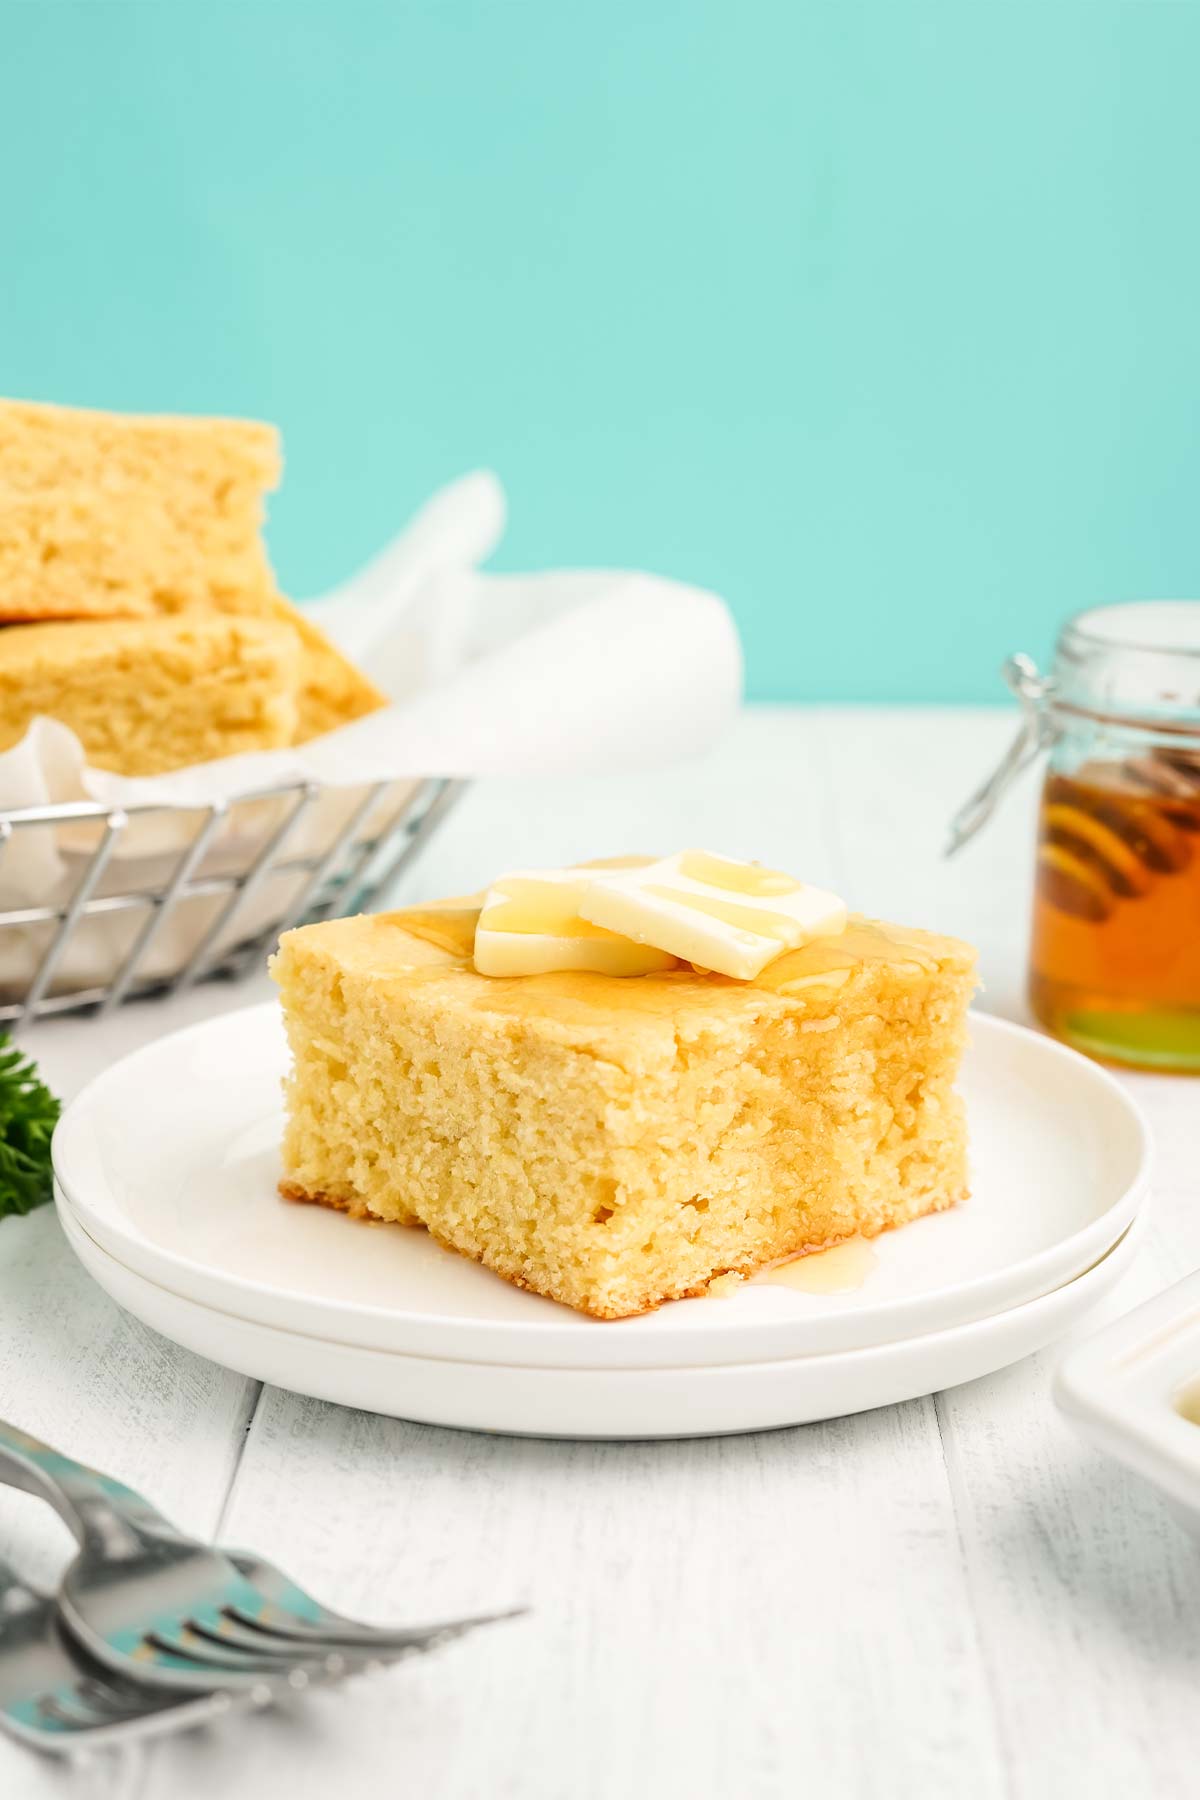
(948, 1598)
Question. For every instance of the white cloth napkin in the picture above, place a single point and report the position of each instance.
(569, 672)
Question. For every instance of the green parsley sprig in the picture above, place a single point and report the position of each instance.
(28, 1114)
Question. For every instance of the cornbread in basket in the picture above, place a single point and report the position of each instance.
(130, 550)
(142, 634)
(611, 1085)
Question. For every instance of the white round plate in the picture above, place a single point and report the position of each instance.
(170, 1160)
(606, 1403)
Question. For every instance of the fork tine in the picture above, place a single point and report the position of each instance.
(58, 1724)
(272, 1668)
(237, 1629)
(52, 1715)
(293, 1613)
(89, 1705)
(64, 1709)
(117, 1704)
(233, 1643)
(191, 1648)
(347, 1634)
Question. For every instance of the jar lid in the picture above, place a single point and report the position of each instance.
(1138, 659)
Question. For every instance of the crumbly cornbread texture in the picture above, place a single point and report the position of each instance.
(616, 1142)
(106, 515)
(148, 695)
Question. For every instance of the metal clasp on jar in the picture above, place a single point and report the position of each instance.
(1038, 730)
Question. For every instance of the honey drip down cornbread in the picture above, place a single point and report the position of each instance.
(615, 1142)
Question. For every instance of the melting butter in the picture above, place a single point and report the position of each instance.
(839, 1270)
(530, 924)
(736, 877)
(728, 916)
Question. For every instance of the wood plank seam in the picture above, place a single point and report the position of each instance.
(254, 1401)
(960, 1505)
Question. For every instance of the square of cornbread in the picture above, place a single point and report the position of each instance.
(615, 1142)
(145, 696)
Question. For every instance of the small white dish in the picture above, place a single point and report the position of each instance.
(1134, 1391)
(170, 1160)
(605, 1403)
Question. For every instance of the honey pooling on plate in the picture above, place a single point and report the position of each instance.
(1115, 956)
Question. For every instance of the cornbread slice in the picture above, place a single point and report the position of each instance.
(148, 695)
(614, 1142)
(106, 515)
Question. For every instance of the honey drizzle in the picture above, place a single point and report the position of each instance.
(823, 964)
(839, 1270)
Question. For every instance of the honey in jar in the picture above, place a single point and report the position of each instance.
(1114, 960)
(1114, 963)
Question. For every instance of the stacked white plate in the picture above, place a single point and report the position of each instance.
(166, 1169)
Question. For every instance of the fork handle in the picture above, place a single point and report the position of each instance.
(97, 1509)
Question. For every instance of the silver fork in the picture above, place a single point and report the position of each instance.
(54, 1697)
(146, 1600)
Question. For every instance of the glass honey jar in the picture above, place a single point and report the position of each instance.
(1114, 957)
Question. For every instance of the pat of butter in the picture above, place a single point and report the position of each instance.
(732, 917)
(530, 925)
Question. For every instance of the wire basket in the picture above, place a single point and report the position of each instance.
(152, 899)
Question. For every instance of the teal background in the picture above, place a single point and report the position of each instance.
(881, 319)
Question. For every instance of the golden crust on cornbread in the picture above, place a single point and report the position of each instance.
(616, 1142)
(148, 695)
